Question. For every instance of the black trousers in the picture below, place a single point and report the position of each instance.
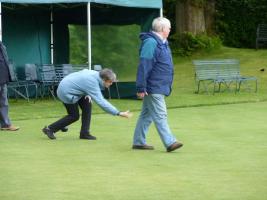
(73, 115)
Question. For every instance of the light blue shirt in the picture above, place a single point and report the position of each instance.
(82, 83)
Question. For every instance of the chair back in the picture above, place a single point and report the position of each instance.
(31, 72)
(12, 72)
(97, 67)
(48, 73)
(67, 69)
(63, 70)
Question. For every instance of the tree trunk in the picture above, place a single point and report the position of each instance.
(189, 17)
(193, 17)
(209, 16)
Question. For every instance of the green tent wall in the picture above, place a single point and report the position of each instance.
(27, 36)
(26, 24)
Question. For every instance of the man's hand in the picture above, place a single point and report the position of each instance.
(126, 114)
(142, 94)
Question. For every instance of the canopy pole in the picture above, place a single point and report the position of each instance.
(1, 21)
(161, 12)
(52, 36)
(89, 35)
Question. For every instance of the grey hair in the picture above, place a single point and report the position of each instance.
(107, 75)
(160, 23)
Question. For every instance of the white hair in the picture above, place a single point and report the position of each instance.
(160, 23)
(107, 75)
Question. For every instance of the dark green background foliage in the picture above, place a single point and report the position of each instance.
(114, 47)
(186, 44)
(237, 21)
(169, 12)
(78, 44)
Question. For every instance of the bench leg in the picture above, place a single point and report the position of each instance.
(198, 86)
(214, 87)
(239, 86)
(236, 83)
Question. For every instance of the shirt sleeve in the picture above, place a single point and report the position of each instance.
(97, 97)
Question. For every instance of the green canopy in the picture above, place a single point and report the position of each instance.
(39, 31)
(127, 3)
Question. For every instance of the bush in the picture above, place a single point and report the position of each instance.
(187, 43)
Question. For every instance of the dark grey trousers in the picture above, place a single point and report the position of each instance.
(4, 119)
(73, 115)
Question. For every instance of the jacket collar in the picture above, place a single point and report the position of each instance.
(160, 37)
(154, 35)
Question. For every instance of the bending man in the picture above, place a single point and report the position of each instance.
(76, 90)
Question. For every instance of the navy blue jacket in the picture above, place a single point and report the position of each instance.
(155, 70)
(4, 71)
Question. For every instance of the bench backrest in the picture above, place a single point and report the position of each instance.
(262, 31)
(216, 69)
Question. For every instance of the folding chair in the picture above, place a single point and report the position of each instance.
(63, 70)
(49, 79)
(19, 88)
(32, 78)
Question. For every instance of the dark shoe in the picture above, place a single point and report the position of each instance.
(175, 145)
(65, 129)
(88, 137)
(143, 147)
(49, 133)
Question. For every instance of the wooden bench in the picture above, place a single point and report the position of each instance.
(261, 35)
(220, 72)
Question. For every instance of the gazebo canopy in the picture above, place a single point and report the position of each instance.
(127, 3)
(37, 31)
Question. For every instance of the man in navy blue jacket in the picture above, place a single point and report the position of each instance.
(4, 79)
(154, 82)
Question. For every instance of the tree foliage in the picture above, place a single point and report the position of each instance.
(185, 44)
(237, 21)
(113, 46)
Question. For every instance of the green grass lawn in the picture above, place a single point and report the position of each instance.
(183, 93)
(224, 157)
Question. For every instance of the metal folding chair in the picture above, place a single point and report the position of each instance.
(32, 78)
(19, 88)
(63, 70)
(49, 79)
